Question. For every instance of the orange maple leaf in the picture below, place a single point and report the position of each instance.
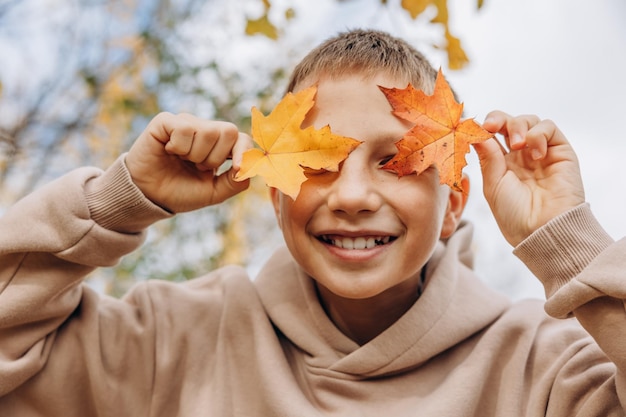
(286, 149)
(438, 138)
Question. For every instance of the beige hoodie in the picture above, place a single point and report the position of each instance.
(223, 345)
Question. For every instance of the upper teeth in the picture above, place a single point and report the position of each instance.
(358, 242)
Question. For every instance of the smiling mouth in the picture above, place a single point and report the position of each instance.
(361, 242)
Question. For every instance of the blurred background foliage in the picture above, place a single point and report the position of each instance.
(80, 79)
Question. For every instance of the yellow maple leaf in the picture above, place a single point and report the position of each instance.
(286, 149)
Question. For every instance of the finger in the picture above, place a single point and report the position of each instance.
(501, 122)
(514, 129)
(517, 129)
(182, 130)
(161, 126)
(225, 186)
(492, 163)
(495, 121)
(541, 136)
(213, 144)
(244, 142)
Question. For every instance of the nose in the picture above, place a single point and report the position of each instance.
(355, 189)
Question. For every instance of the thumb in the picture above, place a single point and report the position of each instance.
(492, 162)
(225, 186)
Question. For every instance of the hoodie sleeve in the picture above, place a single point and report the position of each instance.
(583, 271)
(49, 242)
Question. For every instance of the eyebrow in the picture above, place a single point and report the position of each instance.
(386, 138)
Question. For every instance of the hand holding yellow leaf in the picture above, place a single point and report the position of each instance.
(286, 149)
(438, 138)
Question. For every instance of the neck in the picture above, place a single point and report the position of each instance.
(364, 319)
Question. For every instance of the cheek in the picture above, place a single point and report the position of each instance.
(421, 207)
(308, 201)
(294, 216)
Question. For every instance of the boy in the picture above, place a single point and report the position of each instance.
(373, 308)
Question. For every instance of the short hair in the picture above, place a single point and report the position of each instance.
(366, 52)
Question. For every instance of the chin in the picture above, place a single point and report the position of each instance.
(351, 293)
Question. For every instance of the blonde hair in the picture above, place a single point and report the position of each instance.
(368, 53)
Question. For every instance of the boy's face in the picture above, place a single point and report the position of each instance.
(363, 231)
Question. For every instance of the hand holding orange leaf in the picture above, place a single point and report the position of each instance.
(438, 138)
(285, 148)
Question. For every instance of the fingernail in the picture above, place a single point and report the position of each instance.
(535, 154)
(516, 139)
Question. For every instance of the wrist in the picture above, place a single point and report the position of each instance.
(558, 251)
(116, 203)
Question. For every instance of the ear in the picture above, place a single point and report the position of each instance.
(276, 196)
(454, 210)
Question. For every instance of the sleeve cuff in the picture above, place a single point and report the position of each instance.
(561, 249)
(116, 203)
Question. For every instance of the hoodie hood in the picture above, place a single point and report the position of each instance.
(455, 304)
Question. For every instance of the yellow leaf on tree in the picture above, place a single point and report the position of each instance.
(442, 15)
(261, 26)
(415, 7)
(438, 138)
(286, 149)
(457, 59)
